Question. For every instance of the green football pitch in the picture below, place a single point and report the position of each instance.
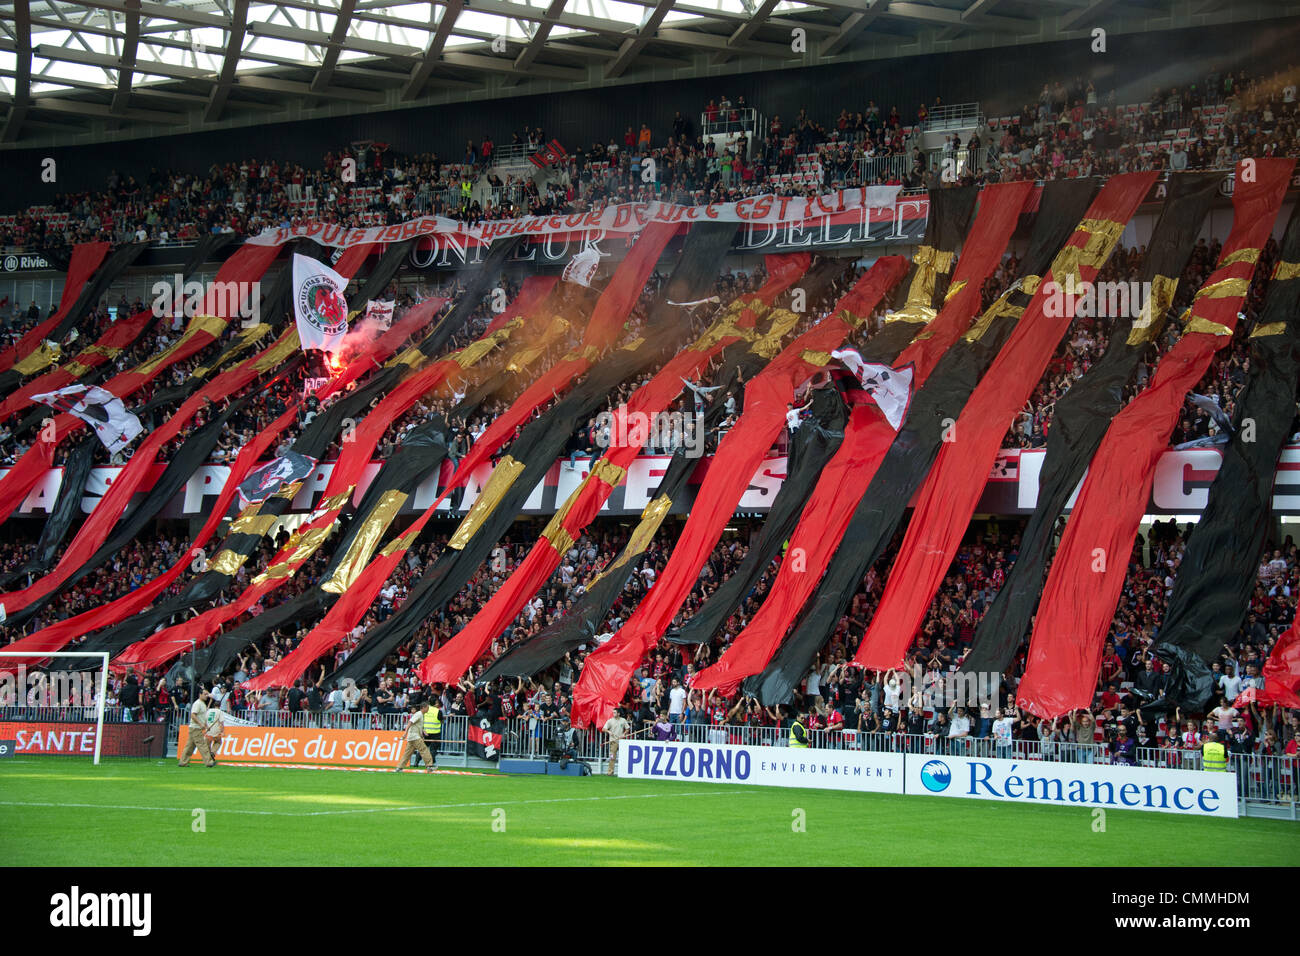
(67, 812)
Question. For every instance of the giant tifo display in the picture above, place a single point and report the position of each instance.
(818, 443)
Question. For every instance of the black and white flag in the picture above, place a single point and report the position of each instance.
(271, 477)
(100, 409)
(891, 388)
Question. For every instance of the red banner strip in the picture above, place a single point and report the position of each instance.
(948, 498)
(1087, 575)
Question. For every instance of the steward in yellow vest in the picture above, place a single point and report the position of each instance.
(799, 732)
(433, 728)
(1214, 756)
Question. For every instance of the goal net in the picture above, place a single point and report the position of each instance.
(49, 710)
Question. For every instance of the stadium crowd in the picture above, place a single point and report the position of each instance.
(1070, 131)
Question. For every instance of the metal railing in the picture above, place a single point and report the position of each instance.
(511, 155)
(956, 116)
(897, 166)
(730, 121)
(967, 160)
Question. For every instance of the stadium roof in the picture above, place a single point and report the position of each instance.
(107, 69)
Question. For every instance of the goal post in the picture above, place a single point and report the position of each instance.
(100, 698)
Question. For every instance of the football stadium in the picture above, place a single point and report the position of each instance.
(651, 433)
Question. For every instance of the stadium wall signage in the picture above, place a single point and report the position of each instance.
(78, 739)
(1181, 486)
(863, 771)
(24, 263)
(902, 223)
(298, 745)
(1187, 792)
(769, 210)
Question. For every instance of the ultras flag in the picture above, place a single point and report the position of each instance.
(319, 307)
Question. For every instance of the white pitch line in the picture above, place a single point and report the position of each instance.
(326, 813)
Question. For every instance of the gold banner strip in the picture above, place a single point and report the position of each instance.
(1241, 255)
(1286, 270)
(304, 544)
(608, 472)
(367, 539)
(558, 535)
(241, 344)
(768, 345)
(402, 543)
(820, 359)
(915, 314)
(651, 518)
(1272, 328)
(1151, 320)
(227, 562)
(259, 525)
(45, 355)
(1223, 289)
(994, 312)
(1103, 234)
(210, 324)
(503, 476)
(1199, 323)
(79, 366)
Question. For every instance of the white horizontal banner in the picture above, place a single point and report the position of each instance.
(1109, 787)
(1181, 486)
(770, 210)
(859, 770)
